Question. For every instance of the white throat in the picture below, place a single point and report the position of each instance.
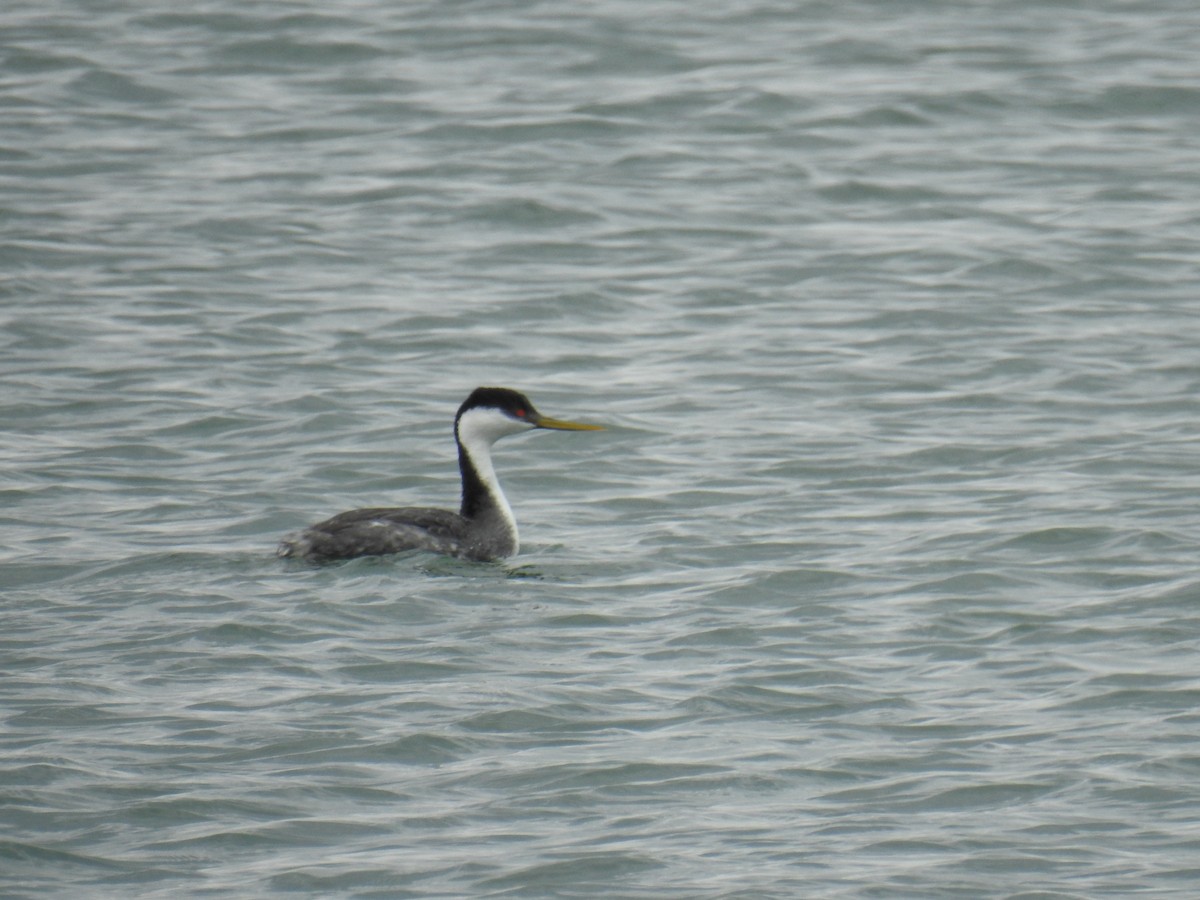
(478, 429)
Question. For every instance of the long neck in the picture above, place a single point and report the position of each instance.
(481, 493)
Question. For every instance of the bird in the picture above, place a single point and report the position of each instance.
(483, 529)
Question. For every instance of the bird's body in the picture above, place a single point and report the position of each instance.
(482, 529)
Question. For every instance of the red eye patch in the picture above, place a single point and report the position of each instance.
(520, 413)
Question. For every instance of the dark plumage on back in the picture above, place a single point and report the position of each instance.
(483, 529)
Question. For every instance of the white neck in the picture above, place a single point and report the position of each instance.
(478, 429)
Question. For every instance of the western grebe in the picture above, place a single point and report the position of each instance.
(483, 529)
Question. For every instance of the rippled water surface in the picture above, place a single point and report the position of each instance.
(882, 581)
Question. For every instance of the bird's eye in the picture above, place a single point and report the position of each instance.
(520, 413)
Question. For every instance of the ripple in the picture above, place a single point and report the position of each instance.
(879, 582)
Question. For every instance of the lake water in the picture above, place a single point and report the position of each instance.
(882, 582)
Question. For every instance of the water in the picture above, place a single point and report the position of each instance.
(882, 582)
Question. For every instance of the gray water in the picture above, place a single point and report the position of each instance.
(882, 582)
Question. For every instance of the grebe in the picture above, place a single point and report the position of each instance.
(483, 528)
